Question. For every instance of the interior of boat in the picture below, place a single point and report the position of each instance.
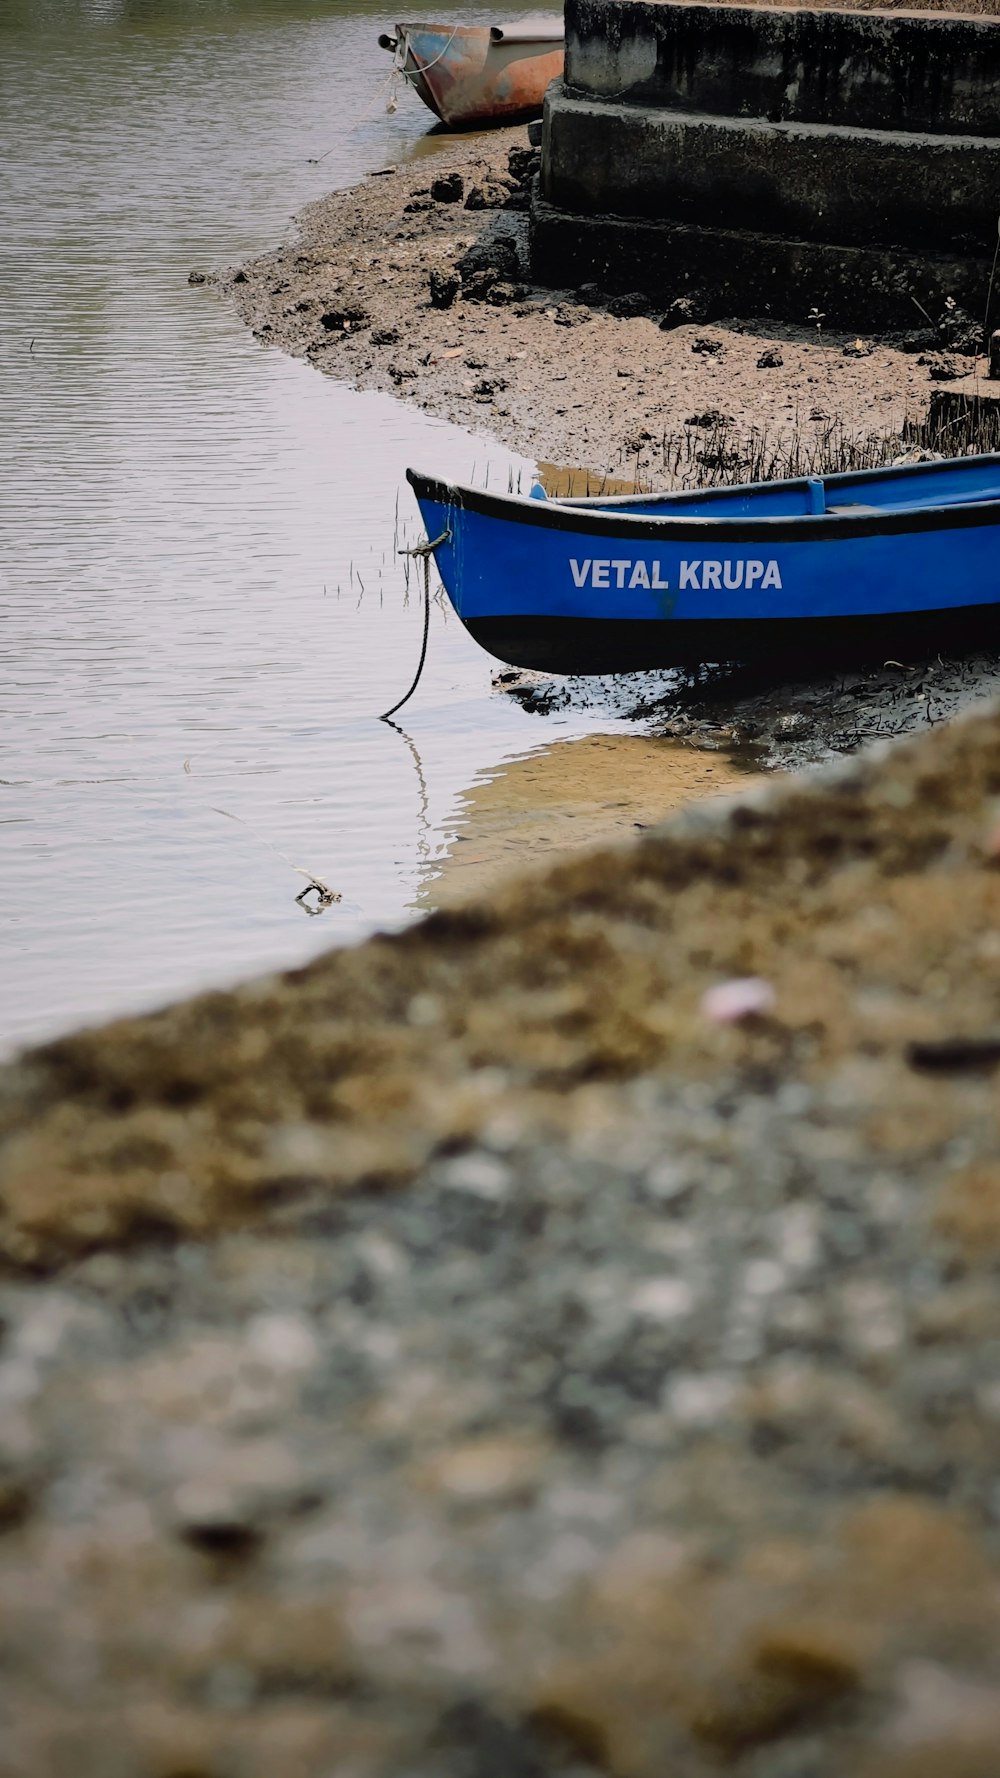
(899, 488)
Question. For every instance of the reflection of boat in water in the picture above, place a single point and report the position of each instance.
(475, 74)
(872, 562)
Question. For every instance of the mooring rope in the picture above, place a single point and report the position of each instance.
(422, 68)
(424, 550)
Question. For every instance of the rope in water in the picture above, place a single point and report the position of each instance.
(424, 550)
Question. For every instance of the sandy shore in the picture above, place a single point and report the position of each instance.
(477, 1354)
(592, 790)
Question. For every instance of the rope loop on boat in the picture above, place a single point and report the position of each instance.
(423, 551)
(422, 68)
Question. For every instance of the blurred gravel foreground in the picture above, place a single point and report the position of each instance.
(481, 1355)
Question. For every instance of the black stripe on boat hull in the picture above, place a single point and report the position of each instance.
(623, 645)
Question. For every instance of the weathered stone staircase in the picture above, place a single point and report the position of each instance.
(777, 160)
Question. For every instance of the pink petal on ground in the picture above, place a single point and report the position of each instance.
(746, 997)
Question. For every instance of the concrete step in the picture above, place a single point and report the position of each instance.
(937, 72)
(737, 272)
(820, 182)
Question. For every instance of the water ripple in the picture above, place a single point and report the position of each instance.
(178, 509)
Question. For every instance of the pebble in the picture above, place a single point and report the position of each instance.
(478, 1174)
(662, 1299)
(730, 1002)
(700, 1399)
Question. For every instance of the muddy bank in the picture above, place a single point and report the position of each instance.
(612, 394)
(476, 1354)
(765, 721)
(555, 374)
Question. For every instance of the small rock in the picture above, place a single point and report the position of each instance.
(700, 1398)
(240, 278)
(479, 283)
(745, 997)
(444, 288)
(523, 164)
(590, 293)
(488, 196)
(667, 1182)
(417, 204)
(711, 417)
(499, 295)
(662, 1299)
(940, 369)
(284, 1342)
(401, 374)
(345, 320)
(498, 256)
(706, 347)
(386, 336)
(570, 315)
(478, 1174)
(683, 311)
(629, 306)
(770, 360)
(198, 278)
(448, 189)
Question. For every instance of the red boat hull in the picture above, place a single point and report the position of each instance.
(470, 74)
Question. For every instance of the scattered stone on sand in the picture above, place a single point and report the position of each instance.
(444, 288)
(359, 242)
(448, 189)
(941, 368)
(462, 1356)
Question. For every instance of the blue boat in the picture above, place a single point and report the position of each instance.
(870, 563)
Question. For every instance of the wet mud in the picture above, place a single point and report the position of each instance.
(556, 374)
(767, 721)
(416, 282)
(583, 792)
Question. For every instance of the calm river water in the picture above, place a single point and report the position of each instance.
(177, 510)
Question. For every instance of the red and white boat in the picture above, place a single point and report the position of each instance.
(480, 74)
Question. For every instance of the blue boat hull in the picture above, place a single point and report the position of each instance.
(794, 569)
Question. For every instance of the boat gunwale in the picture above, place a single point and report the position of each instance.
(776, 528)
